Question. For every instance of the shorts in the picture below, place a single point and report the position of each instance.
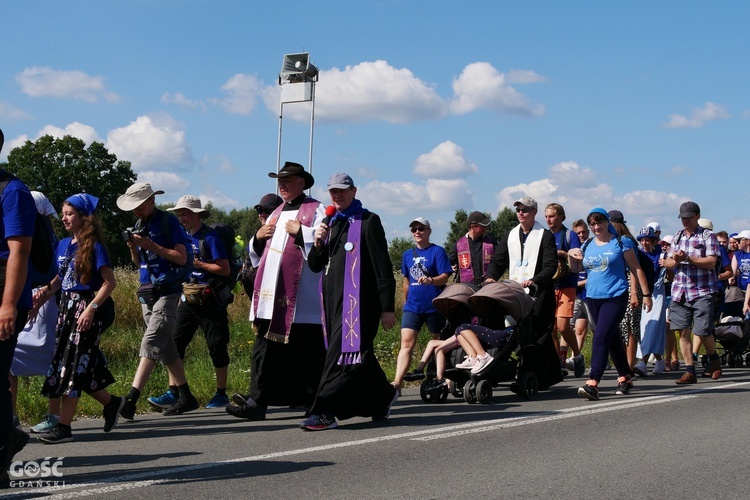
(158, 340)
(579, 311)
(564, 300)
(698, 315)
(413, 321)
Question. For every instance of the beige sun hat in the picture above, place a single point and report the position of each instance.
(135, 195)
(189, 202)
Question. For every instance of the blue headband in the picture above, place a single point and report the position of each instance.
(601, 211)
(83, 202)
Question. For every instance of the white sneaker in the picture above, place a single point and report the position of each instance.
(570, 363)
(467, 363)
(659, 366)
(640, 369)
(481, 363)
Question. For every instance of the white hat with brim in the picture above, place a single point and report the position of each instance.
(135, 196)
(189, 202)
(43, 205)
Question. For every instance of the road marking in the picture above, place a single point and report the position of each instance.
(141, 480)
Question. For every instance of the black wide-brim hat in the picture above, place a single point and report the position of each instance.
(291, 168)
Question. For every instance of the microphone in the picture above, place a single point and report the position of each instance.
(330, 212)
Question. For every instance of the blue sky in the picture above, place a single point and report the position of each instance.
(430, 106)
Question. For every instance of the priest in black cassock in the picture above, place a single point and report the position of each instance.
(358, 293)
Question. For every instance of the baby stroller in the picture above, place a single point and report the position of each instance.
(453, 305)
(733, 335)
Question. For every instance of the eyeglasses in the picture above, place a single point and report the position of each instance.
(598, 223)
(421, 229)
(263, 211)
(524, 210)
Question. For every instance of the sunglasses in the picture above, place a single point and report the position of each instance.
(421, 229)
(263, 211)
(524, 210)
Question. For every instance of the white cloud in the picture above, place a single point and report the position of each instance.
(151, 143)
(709, 112)
(218, 199)
(182, 101)
(480, 85)
(47, 82)
(371, 91)
(10, 113)
(84, 132)
(445, 160)
(242, 92)
(172, 184)
(409, 198)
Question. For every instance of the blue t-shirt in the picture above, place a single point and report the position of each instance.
(581, 290)
(606, 268)
(66, 257)
(432, 261)
(152, 264)
(743, 268)
(215, 250)
(19, 216)
(566, 239)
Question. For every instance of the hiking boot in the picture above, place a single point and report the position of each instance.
(467, 363)
(240, 399)
(641, 369)
(713, 370)
(57, 435)
(246, 411)
(181, 406)
(480, 364)
(128, 409)
(590, 392)
(414, 375)
(166, 400)
(112, 411)
(579, 365)
(387, 412)
(320, 423)
(218, 401)
(687, 378)
(47, 424)
(624, 386)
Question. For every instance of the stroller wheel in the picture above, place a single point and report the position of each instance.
(458, 392)
(442, 396)
(470, 395)
(747, 360)
(484, 391)
(738, 360)
(424, 392)
(528, 385)
(704, 361)
(731, 361)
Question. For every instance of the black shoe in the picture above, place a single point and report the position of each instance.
(240, 399)
(623, 388)
(247, 411)
(112, 411)
(57, 435)
(182, 406)
(589, 392)
(16, 442)
(387, 412)
(128, 409)
(414, 375)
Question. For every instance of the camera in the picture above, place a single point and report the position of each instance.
(130, 231)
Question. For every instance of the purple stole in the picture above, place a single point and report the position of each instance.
(464, 257)
(350, 324)
(290, 270)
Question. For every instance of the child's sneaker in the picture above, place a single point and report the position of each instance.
(481, 363)
(47, 424)
(467, 363)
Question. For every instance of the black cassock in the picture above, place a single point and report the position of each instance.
(360, 389)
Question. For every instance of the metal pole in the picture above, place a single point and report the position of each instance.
(278, 151)
(312, 125)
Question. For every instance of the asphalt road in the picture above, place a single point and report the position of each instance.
(661, 441)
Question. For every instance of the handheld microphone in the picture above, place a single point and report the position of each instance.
(330, 212)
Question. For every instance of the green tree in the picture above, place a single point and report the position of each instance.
(396, 249)
(505, 221)
(62, 167)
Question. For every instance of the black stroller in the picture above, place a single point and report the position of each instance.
(501, 306)
(733, 335)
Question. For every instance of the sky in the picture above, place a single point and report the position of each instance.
(431, 106)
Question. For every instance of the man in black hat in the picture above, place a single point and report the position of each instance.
(472, 252)
(693, 257)
(289, 351)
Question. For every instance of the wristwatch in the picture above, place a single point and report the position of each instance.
(94, 305)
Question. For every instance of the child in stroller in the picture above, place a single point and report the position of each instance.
(733, 334)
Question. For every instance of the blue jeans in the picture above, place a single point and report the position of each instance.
(606, 314)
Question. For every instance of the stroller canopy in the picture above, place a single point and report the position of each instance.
(453, 302)
(506, 294)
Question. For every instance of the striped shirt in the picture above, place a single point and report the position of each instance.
(690, 281)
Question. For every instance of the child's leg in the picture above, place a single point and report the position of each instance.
(428, 350)
(468, 349)
(472, 340)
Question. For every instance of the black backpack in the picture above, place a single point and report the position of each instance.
(227, 235)
(42, 251)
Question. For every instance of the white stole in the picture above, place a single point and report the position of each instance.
(527, 258)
